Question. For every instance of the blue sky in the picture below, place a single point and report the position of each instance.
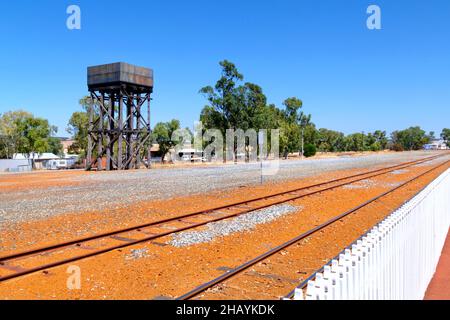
(350, 78)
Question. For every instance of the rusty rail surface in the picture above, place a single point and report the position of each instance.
(235, 271)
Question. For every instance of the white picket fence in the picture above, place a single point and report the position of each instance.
(397, 259)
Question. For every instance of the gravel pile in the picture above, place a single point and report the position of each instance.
(224, 228)
(363, 184)
(366, 184)
(137, 254)
(401, 171)
(393, 184)
(110, 190)
(429, 163)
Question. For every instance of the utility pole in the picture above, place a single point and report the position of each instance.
(261, 148)
(363, 141)
(303, 142)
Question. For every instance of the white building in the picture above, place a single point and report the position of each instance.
(191, 155)
(40, 159)
(436, 145)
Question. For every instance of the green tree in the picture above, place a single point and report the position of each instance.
(355, 142)
(34, 135)
(381, 139)
(10, 133)
(289, 138)
(295, 123)
(55, 146)
(292, 106)
(225, 109)
(330, 141)
(311, 134)
(232, 105)
(3, 148)
(370, 143)
(412, 138)
(445, 135)
(432, 135)
(255, 112)
(78, 127)
(310, 150)
(162, 134)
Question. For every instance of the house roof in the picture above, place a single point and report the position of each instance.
(189, 150)
(35, 156)
(154, 148)
(438, 142)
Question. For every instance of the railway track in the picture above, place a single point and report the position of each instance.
(243, 267)
(13, 264)
(304, 284)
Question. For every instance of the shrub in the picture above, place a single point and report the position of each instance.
(309, 150)
(375, 147)
(397, 147)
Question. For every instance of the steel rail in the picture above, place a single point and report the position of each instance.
(248, 264)
(153, 237)
(304, 283)
(197, 213)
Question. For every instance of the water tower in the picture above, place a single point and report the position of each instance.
(119, 126)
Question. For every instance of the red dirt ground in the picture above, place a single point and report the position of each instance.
(168, 271)
(439, 288)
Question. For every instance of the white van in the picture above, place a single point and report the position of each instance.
(57, 164)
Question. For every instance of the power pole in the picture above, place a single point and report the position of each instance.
(363, 141)
(303, 142)
(261, 148)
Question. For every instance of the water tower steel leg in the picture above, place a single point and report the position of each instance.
(149, 152)
(130, 130)
(108, 134)
(113, 129)
(127, 133)
(138, 127)
(100, 134)
(90, 147)
(119, 147)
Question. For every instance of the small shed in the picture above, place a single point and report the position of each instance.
(40, 160)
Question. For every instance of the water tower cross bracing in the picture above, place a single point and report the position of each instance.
(119, 126)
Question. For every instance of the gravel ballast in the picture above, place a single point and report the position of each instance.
(224, 228)
(113, 190)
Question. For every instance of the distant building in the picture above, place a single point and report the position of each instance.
(67, 143)
(154, 149)
(67, 163)
(436, 145)
(10, 165)
(39, 159)
(191, 155)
